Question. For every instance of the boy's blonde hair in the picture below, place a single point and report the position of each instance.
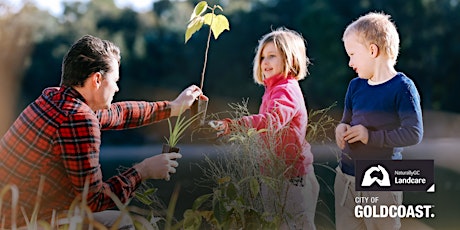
(376, 28)
(293, 48)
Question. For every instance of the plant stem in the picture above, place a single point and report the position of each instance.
(206, 52)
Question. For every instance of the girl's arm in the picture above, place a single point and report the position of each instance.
(276, 111)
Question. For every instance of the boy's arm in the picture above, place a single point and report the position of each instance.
(347, 112)
(344, 125)
(340, 131)
(410, 131)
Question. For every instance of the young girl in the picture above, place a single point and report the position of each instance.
(280, 62)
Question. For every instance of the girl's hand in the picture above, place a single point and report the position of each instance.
(220, 126)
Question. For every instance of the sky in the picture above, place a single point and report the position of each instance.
(55, 6)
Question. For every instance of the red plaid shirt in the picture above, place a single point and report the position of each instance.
(58, 136)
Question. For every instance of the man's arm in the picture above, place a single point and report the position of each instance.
(133, 114)
(79, 142)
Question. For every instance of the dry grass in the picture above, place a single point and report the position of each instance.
(246, 162)
(243, 162)
(78, 217)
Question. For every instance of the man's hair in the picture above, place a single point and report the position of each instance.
(293, 48)
(86, 56)
(376, 28)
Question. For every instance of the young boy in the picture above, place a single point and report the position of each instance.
(381, 115)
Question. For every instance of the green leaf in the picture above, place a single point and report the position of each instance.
(192, 220)
(193, 27)
(219, 24)
(150, 191)
(220, 213)
(199, 9)
(254, 186)
(176, 132)
(208, 18)
(200, 200)
(232, 191)
(144, 199)
(138, 225)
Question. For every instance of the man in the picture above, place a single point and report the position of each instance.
(57, 138)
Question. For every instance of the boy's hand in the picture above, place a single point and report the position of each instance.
(340, 134)
(357, 133)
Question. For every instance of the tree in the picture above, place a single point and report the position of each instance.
(16, 43)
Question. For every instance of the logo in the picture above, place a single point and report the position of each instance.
(394, 175)
(370, 177)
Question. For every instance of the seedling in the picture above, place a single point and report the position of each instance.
(218, 23)
(177, 130)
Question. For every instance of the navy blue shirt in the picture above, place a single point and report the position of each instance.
(390, 111)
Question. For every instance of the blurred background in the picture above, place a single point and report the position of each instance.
(157, 65)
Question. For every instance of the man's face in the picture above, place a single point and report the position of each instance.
(108, 87)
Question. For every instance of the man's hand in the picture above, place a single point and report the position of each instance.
(159, 166)
(340, 134)
(186, 99)
(357, 133)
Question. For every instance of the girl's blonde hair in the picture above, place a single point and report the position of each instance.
(293, 48)
(376, 28)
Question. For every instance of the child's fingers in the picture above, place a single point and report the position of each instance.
(217, 125)
(220, 133)
(355, 134)
(340, 141)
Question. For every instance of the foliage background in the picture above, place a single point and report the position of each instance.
(156, 64)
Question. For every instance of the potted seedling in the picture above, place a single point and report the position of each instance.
(217, 23)
(176, 132)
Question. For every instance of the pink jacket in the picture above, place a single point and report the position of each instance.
(284, 114)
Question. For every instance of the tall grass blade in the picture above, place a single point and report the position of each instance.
(14, 203)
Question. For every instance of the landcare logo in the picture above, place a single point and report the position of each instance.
(393, 175)
(369, 177)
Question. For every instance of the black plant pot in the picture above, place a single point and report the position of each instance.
(168, 149)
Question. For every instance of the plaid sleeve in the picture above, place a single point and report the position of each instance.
(79, 139)
(132, 114)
